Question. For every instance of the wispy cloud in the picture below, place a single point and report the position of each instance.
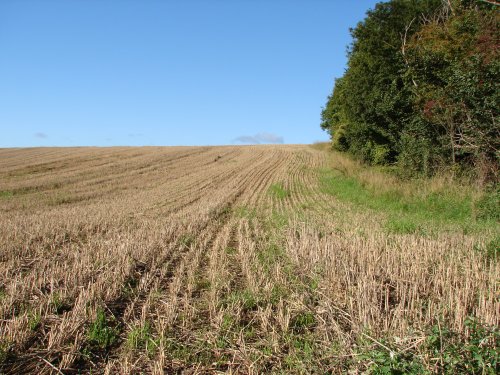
(41, 135)
(259, 138)
(133, 135)
(246, 139)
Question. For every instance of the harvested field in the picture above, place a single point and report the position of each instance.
(206, 259)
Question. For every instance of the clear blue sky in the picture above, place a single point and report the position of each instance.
(191, 72)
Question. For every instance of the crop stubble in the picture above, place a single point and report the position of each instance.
(190, 246)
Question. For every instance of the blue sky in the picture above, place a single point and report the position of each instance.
(191, 72)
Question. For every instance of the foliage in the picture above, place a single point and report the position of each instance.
(302, 322)
(477, 353)
(493, 249)
(101, 333)
(34, 320)
(488, 206)
(278, 191)
(444, 351)
(421, 88)
(6, 194)
(454, 61)
(141, 337)
(443, 206)
(365, 112)
(384, 362)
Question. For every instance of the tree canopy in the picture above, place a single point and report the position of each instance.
(421, 87)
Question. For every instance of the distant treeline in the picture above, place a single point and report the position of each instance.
(421, 88)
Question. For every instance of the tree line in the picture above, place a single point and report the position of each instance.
(421, 88)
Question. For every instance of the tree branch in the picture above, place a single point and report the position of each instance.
(492, 2)
(403, 49)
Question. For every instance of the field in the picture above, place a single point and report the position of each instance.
(250, 259)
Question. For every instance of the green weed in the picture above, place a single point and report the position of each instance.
(270, 255)
(202, 283)
(141, 337)
(34, 320)
(301, 354)
(479, 353)
(303, 322)
(402, 226)
(267, 350)
(178, 350)
(278, 220)
(187, 352)
(58, 304)
(249, 333)
(186, 240)
(490, 250)
(278, 191)
(384, 362)
(231, 250)
(6, 194)
(487, 207)
(246, 298)
(101, 332)
(493, 249)
(227, 322)
(278, 292)
(245, 212)
(444, 351)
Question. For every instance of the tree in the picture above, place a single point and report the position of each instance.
(371, 103)
(456, 62)
(421, 87)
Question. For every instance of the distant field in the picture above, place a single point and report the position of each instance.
(250, 259)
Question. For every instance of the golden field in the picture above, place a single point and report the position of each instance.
(217, 259)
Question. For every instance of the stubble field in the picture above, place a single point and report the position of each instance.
(219, 259)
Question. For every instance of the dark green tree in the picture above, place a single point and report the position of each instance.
(421, 87)
(371, 103)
